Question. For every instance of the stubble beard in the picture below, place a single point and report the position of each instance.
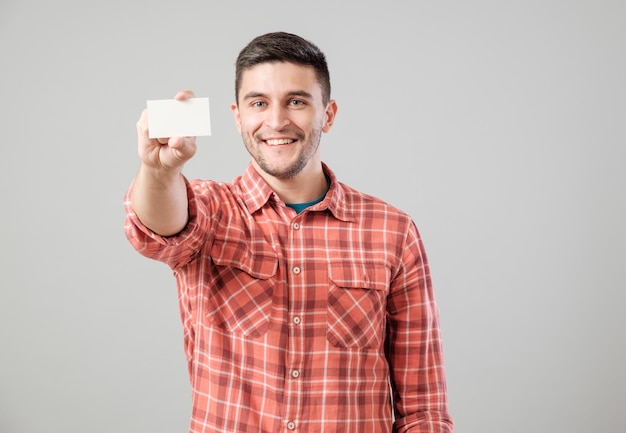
(307, 151)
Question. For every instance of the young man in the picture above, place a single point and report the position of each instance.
(307, 306)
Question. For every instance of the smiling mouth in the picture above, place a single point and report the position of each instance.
(279, 141)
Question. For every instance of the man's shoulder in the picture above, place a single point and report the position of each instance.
(204, 186)
(356, 200)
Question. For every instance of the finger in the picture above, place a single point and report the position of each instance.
(184, 94)
(142, 123)
(176, 143)
(186, 146)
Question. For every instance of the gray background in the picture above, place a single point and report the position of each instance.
(498, 125)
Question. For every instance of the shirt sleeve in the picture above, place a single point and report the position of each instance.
(177, 250)
(414, 346)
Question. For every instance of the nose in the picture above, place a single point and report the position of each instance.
(277, 117)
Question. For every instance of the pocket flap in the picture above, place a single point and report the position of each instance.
(361, 275)
(259, 264)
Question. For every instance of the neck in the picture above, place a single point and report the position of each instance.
(307, 185)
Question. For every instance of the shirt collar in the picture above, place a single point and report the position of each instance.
(257, 193)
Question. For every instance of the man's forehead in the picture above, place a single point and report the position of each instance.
(278, 73)
(280, 77)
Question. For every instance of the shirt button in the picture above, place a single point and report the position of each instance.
(296, 270)
(295, 374)
(291, 425)
(295, 226)
(297, 320)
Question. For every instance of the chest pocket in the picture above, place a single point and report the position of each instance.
(356, 304)
(241, 288)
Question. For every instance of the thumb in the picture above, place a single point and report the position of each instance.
(184, 146)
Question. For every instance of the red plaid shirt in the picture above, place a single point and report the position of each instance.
(323, 321)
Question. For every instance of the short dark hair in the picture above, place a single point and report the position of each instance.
(283, 47)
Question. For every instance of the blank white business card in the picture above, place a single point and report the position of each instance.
(172, 118)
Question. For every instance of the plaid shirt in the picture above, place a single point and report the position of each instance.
(323, 321)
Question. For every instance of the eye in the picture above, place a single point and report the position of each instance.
(258, 104)
(296, 102)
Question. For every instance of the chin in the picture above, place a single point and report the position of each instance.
(282, 172)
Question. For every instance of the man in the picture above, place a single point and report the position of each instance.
(307, 306)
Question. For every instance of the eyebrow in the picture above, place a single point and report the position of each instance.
(300, 93)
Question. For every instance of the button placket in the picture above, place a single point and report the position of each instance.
(293, 386)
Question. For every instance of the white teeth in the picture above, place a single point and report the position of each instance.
(278, 141)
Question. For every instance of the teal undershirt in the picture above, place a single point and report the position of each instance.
(299, 207)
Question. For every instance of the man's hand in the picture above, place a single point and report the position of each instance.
(159, 195)
(168, 154)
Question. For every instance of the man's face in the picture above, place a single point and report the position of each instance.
(281, 116)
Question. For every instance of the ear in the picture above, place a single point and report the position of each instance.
(235, 109)
(331, 112)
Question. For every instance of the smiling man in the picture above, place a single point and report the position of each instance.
(281, 112)
(306, 305)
